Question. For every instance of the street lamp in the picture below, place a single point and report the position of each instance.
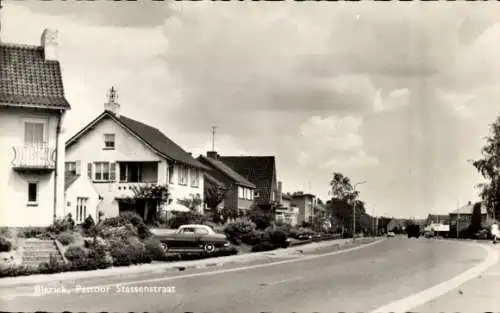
(354, 210)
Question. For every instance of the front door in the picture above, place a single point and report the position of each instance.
(81, 209)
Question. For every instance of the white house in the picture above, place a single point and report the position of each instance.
(118, 153)
(81, 197)
(32, 107)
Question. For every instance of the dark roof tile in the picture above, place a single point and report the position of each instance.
(28, 80)
(227, 171)
(260, 170)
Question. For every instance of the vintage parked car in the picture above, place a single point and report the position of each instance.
(391, 234)
(193, 238)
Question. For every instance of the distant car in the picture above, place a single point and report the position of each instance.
(193, 238)
(391, 234)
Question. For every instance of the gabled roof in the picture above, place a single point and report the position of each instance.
(28, 80)
(213, 180)
(467, 209)
(152, 136)
(260, 170)
(69, 179)
(227, 171)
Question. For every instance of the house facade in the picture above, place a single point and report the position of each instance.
(32, 110)
(306, 203)
(240, 191)
(119, 154)
(259, 170)
(463, 216)
(286, 212)
(81, 197)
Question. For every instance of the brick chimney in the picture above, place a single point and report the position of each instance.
(112, 106)
(280, 192)
(213, 155)
(49, 44)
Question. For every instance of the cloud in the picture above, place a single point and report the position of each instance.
(397, 98)
(113, 13)
(332, 142)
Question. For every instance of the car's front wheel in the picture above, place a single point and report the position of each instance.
(209, 247)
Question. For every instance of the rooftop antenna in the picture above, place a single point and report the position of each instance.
(213, 137)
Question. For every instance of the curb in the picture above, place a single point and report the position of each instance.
(162, 267)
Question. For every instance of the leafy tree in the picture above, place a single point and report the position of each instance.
(489, 167)
(193, 202)
(342, 189)
(214, 195)
(152, 196)
(476, 219)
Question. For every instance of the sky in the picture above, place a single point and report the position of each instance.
(399, 95)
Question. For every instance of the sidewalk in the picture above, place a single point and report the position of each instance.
(159, 267)
(480, 294)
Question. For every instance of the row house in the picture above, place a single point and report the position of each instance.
(286, 212)
(463, 215)
(240, 194)
(306, 203)
(117, 153)
(32, 109)
(260, 171)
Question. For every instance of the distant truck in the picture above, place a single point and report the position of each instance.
(413, 231)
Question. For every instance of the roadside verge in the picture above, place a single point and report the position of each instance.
(338, 244)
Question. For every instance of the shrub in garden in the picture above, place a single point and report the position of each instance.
(154, 249)
(301, 233)
(129, 218)
(277, 237)
(263, 246)
(120, 232)
(62, 224)
(5, 245)
(252, 238)
(128, 252)
(53, 266)
(66, 237)
(236, 229)
(35, 232)
(78, 257)
(97, 255)
(260, 217)
(88, 226)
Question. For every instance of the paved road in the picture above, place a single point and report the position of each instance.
(360, 280)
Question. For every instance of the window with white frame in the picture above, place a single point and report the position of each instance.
(183, 175)
(104, 171)
(109, 141)
(70, 168)
(32, 193)
(170, 173)
(195, 177)
(34, 133)
(241, 192)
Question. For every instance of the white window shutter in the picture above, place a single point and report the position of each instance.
(89, 170)
(78, 167)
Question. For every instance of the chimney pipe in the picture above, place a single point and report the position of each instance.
(49, 44)
(212, 155)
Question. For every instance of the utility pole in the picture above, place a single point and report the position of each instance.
(354, 210)
(213, 137)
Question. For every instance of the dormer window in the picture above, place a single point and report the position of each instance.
(109, 141)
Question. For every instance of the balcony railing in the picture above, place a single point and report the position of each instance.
(34, 157)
